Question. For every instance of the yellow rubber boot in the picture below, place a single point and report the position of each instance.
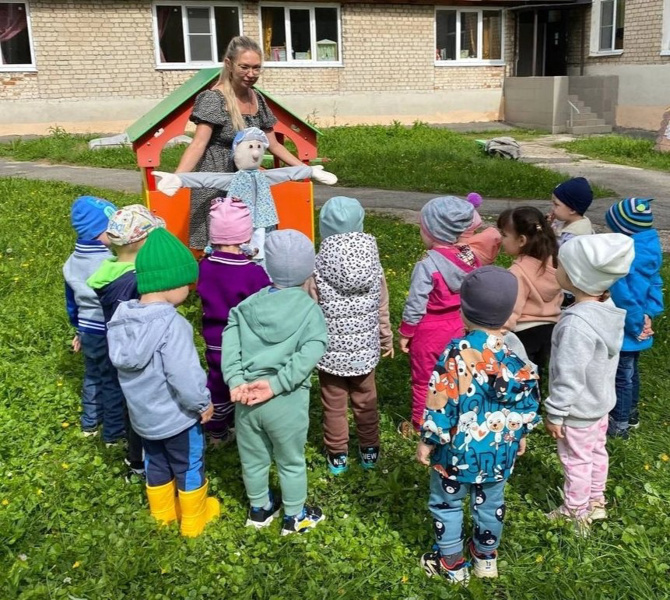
(162, 502)
(197, 510)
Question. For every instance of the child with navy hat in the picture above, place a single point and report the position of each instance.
(641, 294)
(102, 400)
(570, 200)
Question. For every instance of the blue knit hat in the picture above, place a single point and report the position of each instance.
(90, 216)
(575, 193)
(341, 215)
(630, 216)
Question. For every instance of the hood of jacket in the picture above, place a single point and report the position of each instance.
(604, 319)
(349, 262)
(135, 332)
(542, 280)
(647, 246)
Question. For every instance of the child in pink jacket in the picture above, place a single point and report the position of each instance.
(484, 244)
(431, 318)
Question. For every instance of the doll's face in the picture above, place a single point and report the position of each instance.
(248, 155)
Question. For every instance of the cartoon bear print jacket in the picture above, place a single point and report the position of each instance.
(482, 400)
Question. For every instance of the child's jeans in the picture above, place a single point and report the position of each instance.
(487, 506)
(224, 410)
(585, 463)
(627, 393)
(275, 429)
(180, 457)
(335, 393)
(102, 399)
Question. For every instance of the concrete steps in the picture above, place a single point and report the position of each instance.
(585, 121)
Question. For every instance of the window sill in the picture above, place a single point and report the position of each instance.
(665, 52)
(605, 53)
(469, 63)
(17, 69)
(303, 64)
(187, 66)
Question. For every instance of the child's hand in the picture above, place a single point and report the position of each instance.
(423, 452)
(555, 431)
(259, 391)
(522, 447)
(390, 352)
(207, 414)
(403, 342)
(76, 343)
(647, 331)
(239, 393)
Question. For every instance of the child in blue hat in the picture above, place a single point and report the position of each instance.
(570, 201)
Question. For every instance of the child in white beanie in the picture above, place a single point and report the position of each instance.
(584, 355)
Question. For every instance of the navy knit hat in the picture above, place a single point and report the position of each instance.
(488, 296)
(575, 193)
(90, 216)
(630, 216)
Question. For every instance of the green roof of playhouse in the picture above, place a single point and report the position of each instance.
(184, 93)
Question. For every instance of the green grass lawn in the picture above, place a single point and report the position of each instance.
(417, 158)
(71, 528)
(621, 150)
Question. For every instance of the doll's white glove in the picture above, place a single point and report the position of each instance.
(318, 174)
(168, 183)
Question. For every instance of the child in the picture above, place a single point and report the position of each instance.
(570, 200)
(350, 287)
(102, 400)
(151, 345)
(641, 294)
(483, 401)
(271, 344)
(226, 278)
(115, 282)
(527, 236)
(485, 245)
(584, 355)
(431, 318)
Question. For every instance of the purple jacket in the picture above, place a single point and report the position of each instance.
(225, 280)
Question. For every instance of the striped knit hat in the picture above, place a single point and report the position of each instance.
(630, 216)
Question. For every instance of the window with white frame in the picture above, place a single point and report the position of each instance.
(301, 34)
(190, 34)
(16, 51)
(609, 16)
(665, 44)
(468, 35)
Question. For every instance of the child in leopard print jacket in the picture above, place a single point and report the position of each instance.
(350, 287)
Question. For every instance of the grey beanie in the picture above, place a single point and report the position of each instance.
(289, 257)
(445, 218)
(488, 296)
(341, 215)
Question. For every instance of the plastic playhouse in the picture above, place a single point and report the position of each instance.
(149, 135)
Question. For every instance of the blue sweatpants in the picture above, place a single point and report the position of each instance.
(180, 457)
(487, 505)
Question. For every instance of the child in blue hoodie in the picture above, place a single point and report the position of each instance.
(641, 294)
(151, 345)
(482, 401)
(102, 401)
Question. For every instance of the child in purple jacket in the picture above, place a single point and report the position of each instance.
(227, 277)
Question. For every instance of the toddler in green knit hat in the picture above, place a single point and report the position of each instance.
(151, 345)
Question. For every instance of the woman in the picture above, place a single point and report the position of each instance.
(230, 106)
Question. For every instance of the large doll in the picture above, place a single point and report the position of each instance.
(250, 184)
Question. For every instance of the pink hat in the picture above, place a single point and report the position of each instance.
(476, 200)
(230, 222)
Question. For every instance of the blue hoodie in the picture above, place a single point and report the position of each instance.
(151, 345)
(641, 291)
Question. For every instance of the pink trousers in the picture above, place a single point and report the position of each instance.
(585, 463)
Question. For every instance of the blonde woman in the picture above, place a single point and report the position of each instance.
(219, 113)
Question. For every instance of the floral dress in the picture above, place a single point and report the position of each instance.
(210, 108)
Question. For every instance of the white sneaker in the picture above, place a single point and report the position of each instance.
(598, 511)
(484, 567)
(432, 565)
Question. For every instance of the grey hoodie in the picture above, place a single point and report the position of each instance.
(152, 347)
(585, 349)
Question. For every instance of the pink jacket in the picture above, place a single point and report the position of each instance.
(485, 245)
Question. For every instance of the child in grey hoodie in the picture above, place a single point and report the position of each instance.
(584, 355)
(152, 347)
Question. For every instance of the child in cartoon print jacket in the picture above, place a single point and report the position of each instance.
(482, 401)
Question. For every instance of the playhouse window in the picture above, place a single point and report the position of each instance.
(15, 39)
(190, 34)
(471, 36)
(300, 34)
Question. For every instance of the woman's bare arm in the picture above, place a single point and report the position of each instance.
(280, 152)
(194, 152)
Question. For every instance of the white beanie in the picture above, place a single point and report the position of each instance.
(594, 262)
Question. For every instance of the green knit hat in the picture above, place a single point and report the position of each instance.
(164, 263)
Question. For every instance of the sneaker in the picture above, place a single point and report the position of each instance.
(598, 511)
(135, 472)
(259, 517)
(484, 564)
(337, 463)
(310, 517)
(582, 525)
(89, 432)
(120, 443)
(369, 456)
(634, 420)
(407, 430)
(433, 566)
(617, 429)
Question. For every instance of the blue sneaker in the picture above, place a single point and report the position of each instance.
(337, 463)
(369, 456)
(260, 516)
(308, 519)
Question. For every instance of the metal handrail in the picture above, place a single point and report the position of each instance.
(573, 107)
